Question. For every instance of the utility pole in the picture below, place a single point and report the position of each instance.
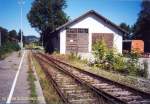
(0, 39)
(21, 2)
(42, 41)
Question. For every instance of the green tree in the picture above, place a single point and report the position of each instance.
(127, 28)
(46, 15)
(4, 35)
(13, 34)
(142, 29)
(19, 37)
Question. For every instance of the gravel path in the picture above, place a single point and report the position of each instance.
(8, 69)
(22, 93)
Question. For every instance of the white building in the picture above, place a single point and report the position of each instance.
(79, 35)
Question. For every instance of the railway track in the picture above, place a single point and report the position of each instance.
(114, 91)
(71, 89)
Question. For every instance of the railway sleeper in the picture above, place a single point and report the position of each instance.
(69, 85)
(130, 98)
(140, 102)
(76, 96)
(123, 93)
(84, 101)
(77, 91)
(106, 87)
(113, 90)
(100, 84)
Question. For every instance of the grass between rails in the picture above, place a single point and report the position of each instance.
(128, 80)
(49, 92)
(31, 79)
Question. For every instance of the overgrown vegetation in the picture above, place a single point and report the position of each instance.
(118, 77)
(31, 80)
(8, 48)
(109, 59)
(49, 92)
(9, 42)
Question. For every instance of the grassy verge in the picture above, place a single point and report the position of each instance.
(31, 79)
(49, 92)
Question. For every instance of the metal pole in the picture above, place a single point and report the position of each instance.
(42, 41)
(21, 27)
(0, 39)
(21, 2)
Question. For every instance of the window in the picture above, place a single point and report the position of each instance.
(81, 30)
(77, 30)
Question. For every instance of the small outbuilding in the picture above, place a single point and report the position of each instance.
(79, 35)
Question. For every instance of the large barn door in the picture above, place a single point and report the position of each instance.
(76, 40)
(108, 38)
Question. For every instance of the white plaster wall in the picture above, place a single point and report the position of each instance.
(62, 41)
(95, 25)
(117, 43)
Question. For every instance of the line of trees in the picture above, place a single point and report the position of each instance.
(7, 36)
(9, 42)
(141, 29)
(10, 36)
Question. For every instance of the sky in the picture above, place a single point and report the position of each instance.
(117, 11)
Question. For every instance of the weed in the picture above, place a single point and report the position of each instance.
(31, 79)
(49, 92)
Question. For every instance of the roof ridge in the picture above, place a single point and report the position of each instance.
(84, 15)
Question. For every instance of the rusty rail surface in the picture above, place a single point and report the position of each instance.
(121, 93)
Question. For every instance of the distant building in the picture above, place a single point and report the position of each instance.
(79, 35)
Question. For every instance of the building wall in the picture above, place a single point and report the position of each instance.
(62, 41)
(95, 25)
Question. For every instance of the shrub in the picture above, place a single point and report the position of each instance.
(100, 50)
(119, 64)
(8, 47)
(107, 58)
(74, 56)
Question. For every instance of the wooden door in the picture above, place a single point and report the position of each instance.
(107, 37)
(77, 40)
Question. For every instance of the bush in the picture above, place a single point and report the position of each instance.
(119, 64)
(109, 59)
(100, 51)
(8, 47)
(74, 56)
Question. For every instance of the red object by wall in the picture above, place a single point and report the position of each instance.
(138, 46)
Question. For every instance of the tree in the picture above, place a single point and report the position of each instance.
(142, 29)
(127, 28)
(13, 34)
(19, 37)
(46, 15)
(4, 35)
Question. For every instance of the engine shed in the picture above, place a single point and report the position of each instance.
(80, 34)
